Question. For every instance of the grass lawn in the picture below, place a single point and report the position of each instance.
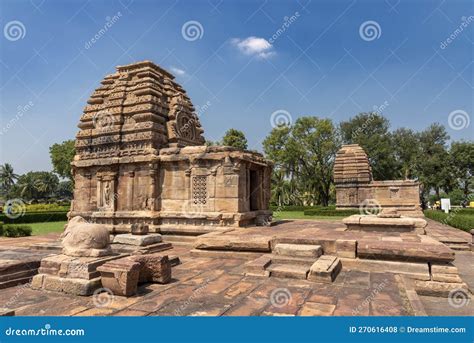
(300, 215)
(46, 227)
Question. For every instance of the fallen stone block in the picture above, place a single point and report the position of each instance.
(299, 250)
(439, 289)
(325, 269)
(120, 276)
(153, 268)
(138, 240)
(71, 286)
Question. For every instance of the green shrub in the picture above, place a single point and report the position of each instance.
(467, 211)
(458, 219)
(47, 208)
(17, 230)
(330, 212)
(36, 217)
(1, 228)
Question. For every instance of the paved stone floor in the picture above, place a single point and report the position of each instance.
(217, 286)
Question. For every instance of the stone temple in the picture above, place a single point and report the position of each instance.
(141, 158)
(355, 185)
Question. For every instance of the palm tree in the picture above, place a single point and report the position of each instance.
(7, 176)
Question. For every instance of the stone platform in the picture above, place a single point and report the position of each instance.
(207, 284)
(334, 238)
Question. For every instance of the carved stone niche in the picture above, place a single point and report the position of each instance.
(394, 192)
(352, 197)
(106, 191)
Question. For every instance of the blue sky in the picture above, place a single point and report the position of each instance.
(240, 64)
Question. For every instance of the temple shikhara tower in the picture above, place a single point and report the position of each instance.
(141, 158)
(355, 185)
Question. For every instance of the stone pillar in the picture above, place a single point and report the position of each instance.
(99, 192)
(130, 186)
(152, 187)
(88, 176)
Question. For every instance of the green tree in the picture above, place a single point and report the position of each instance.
(65, 189)
(235, 138)
(371, 132)
(61, 158)
(7, 177)
(305, 153)
(406, 146)
(37, 185)
(433, 166)
(462, 162)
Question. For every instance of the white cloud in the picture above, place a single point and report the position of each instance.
(255, 46)
(177, 71)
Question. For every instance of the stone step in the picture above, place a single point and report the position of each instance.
(228, 242)
(425, 251)
(15, 282)
(298, 250)
(415, 270)
(459, 247)
(133, 249)
(47, 246)
(298, 261)
(241, 255)
(325, 269)
(189, 230)
(288, 271)
(179, 239)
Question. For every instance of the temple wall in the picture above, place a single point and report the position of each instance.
(354, 185)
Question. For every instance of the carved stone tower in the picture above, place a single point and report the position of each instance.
(140, 157)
